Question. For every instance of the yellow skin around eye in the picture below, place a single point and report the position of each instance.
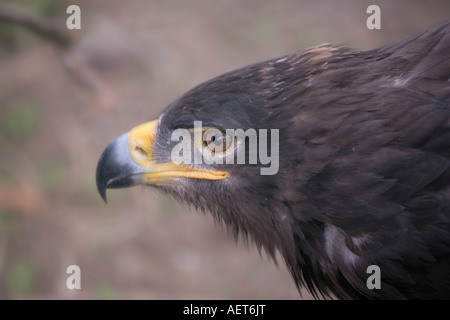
(203, 140)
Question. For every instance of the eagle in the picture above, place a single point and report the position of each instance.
(359, 184)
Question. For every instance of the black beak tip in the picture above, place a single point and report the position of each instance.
(116, 169)
(102, 192)
(101, 188)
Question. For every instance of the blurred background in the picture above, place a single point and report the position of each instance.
(64, 95)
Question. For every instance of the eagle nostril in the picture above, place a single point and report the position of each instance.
(140, 154)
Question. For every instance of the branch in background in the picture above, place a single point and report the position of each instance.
(56, 32)
(49, 29)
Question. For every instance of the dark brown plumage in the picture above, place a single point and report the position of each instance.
(364, 173)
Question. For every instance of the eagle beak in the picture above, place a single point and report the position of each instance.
(128, 161)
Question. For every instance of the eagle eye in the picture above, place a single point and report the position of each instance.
(216, 141)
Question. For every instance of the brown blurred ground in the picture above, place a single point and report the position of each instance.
(60, 108)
